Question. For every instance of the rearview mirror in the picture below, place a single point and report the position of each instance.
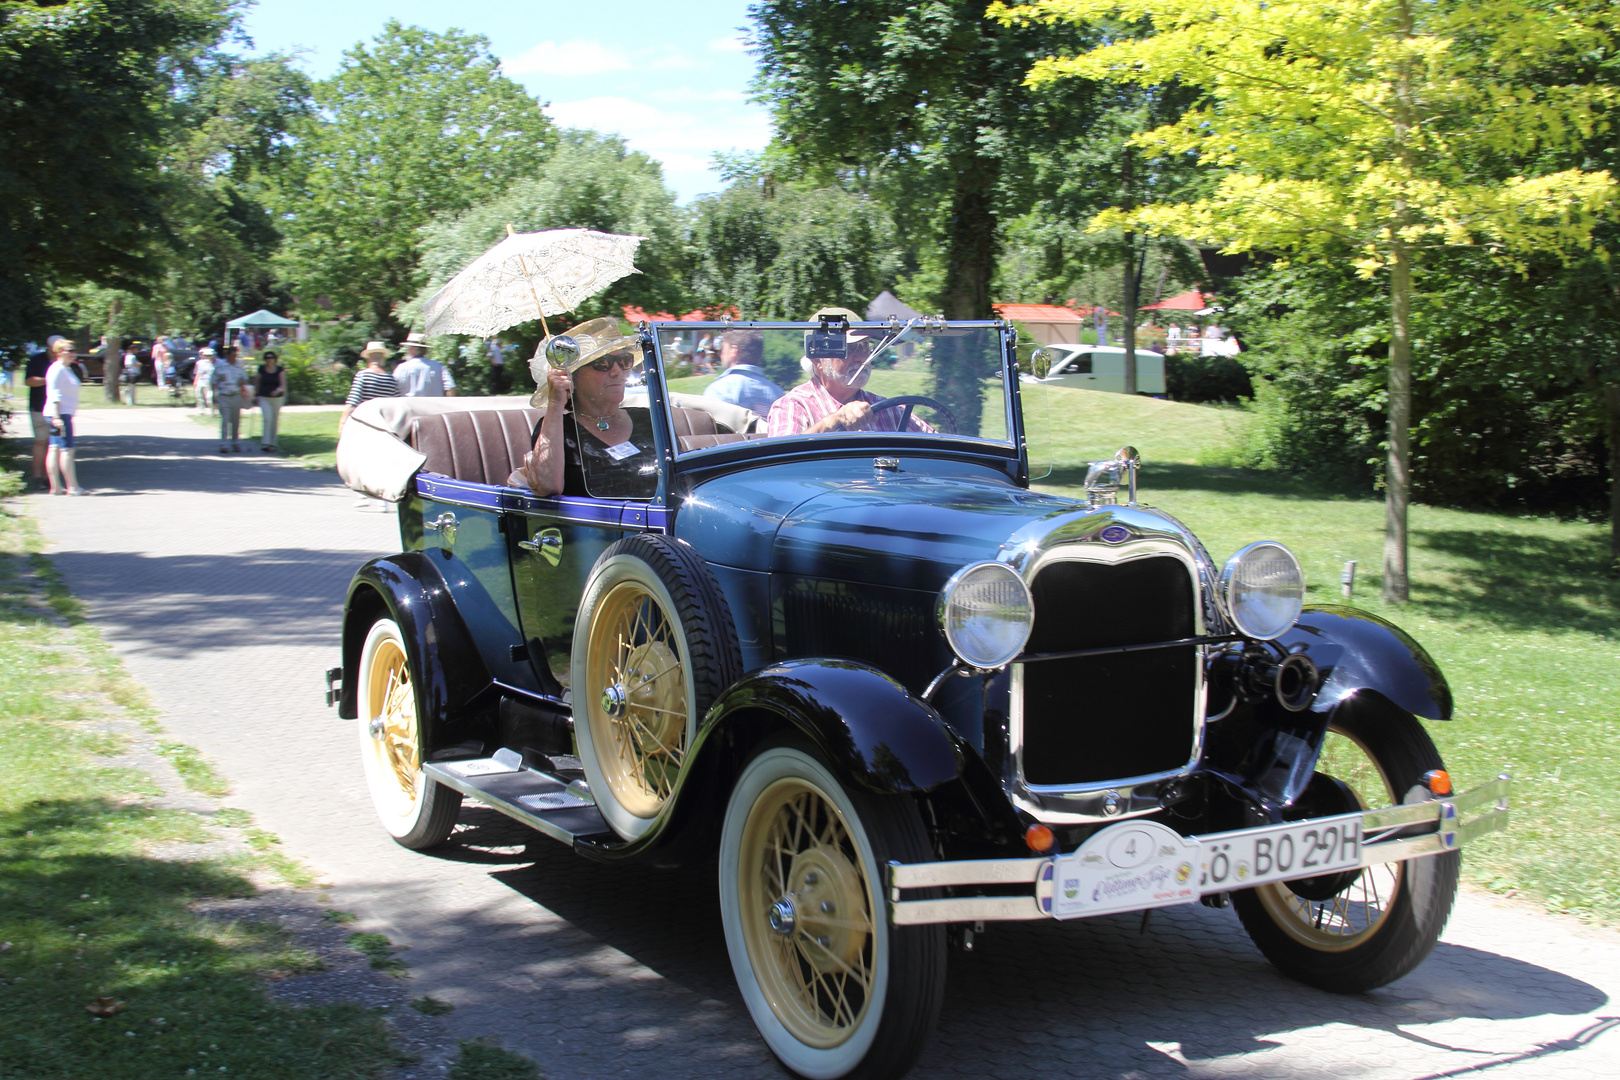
(1040, 363)
(561, 351)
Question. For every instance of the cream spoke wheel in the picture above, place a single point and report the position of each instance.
(640, 716)
(807, 913)
(1357, 929)
(1354, 914)
(833, 988)
(654, 646)
(418, 812)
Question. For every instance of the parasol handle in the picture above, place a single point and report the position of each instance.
(523, 262)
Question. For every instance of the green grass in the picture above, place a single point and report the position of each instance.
(107, 969)
(1517, 611)
(309, 437)
(480, 1060)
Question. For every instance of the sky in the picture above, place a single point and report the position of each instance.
(672, 78)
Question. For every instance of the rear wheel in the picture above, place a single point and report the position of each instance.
(416, 811)
(1358, 930)
(833, 988)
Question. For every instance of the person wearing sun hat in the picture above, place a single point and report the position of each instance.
(419, 376)
(371, 381)
(588, 443)
(833, 399)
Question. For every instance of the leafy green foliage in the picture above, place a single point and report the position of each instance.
(782, 251)
(925, 106)
(591, 182)
(83, 122)
(412, 126)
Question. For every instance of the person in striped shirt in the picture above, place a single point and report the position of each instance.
(371, 381)
(833, 399)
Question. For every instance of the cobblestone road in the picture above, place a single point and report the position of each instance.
(220, 581)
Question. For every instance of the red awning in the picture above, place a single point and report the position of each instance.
(1187, 301)
(1037, 313)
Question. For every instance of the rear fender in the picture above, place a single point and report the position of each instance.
(452, 682)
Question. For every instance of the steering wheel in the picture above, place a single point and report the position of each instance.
(911, 401)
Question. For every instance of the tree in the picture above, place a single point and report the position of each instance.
(592, 182)
(415, 125)
(925, 105)
(1375, 131)
(776, 249)
(83, 120)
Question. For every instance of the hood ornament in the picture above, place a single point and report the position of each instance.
(1104, 478)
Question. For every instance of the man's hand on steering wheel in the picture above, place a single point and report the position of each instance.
(908, 402)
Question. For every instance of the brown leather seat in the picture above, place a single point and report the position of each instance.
(722, 438)
(485, 446)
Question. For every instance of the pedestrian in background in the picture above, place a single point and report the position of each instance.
(230, 383)
(202, 379)
(130, 373)
(419, 376)
(160, 361)
(371, 381)
(34, 378)
(272, 395)
(61, 404)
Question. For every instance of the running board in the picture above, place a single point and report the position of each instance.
(543, 802)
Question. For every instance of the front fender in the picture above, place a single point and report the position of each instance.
(449, 673)
(867, 726)
(1357, 651)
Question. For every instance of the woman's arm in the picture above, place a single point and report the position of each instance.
(544, 467)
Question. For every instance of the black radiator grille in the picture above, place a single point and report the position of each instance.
(1094, 719)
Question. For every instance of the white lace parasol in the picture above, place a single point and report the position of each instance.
(528, 275)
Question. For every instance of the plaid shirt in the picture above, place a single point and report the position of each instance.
(806, 405)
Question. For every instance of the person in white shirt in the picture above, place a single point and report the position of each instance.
(419, 376)
(61, 403)
(202, 377)
(230, 384)
(131, 374)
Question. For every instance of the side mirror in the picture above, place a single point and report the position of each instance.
(562, 351)
(1040, 363)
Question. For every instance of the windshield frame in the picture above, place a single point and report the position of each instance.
(1009, 456)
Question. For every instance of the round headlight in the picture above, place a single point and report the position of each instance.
(986, 612)
(1263, 589)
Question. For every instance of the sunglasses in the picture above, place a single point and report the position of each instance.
(624, 361)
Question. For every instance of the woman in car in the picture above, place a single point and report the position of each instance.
(588, 443)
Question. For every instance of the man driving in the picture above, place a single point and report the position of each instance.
(833, 399)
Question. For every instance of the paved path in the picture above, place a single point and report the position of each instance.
(220, 582)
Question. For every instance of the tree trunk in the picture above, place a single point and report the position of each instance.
(1611, 402)
(1133, 276)
(1132, 283)
(1398, 474)
(112, 367)
(970, 263)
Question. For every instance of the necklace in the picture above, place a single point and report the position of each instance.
(602, 422)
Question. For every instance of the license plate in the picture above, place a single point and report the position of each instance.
(1238, 860)
(1137, 865)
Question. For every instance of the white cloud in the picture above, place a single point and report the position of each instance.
(728, 44)
(683, 140)
(568, 60)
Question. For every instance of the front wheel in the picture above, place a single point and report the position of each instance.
(833, 988)
(418, 812)
(1358, 930)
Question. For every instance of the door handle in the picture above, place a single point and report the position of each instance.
(548, 543)
(445, 526)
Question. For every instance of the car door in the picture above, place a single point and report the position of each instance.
(555, 541)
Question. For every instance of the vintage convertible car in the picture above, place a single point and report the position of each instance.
(896, 691)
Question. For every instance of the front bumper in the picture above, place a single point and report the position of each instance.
(1136, 865)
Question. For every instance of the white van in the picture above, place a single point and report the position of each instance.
(1102, 367)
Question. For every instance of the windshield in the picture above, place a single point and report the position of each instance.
(747, 383)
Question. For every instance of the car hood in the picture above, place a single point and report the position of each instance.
(910, 527)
